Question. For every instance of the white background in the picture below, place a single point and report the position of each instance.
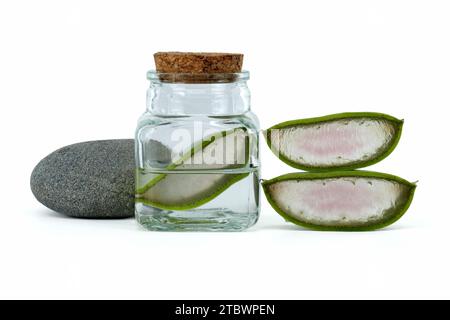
(73, 71)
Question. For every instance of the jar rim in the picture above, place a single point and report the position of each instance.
(193, 78)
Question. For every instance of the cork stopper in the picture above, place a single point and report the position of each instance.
(198, 62)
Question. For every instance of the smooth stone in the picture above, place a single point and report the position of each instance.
(93, 179)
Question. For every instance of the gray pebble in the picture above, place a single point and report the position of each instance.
(92, 179)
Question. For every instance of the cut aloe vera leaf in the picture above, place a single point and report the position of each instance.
(185, 191)
(182, 189)
(339, 141)
(340, 200)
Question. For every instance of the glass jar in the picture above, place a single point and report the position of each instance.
(197, 154)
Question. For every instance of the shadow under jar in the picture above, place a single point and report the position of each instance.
(197, 153)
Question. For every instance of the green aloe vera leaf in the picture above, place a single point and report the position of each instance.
(340, 200)
(186, 190)
(340, 141)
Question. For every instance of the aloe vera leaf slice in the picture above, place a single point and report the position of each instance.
(189, 190)
(340, 200)
(236, 156)
(339, 141)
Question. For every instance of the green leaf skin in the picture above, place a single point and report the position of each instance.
(204, 197)
(382, 222)
(396, 123)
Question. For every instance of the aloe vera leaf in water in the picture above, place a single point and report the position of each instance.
(340, 200)
(182, 191)
(339, 141)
